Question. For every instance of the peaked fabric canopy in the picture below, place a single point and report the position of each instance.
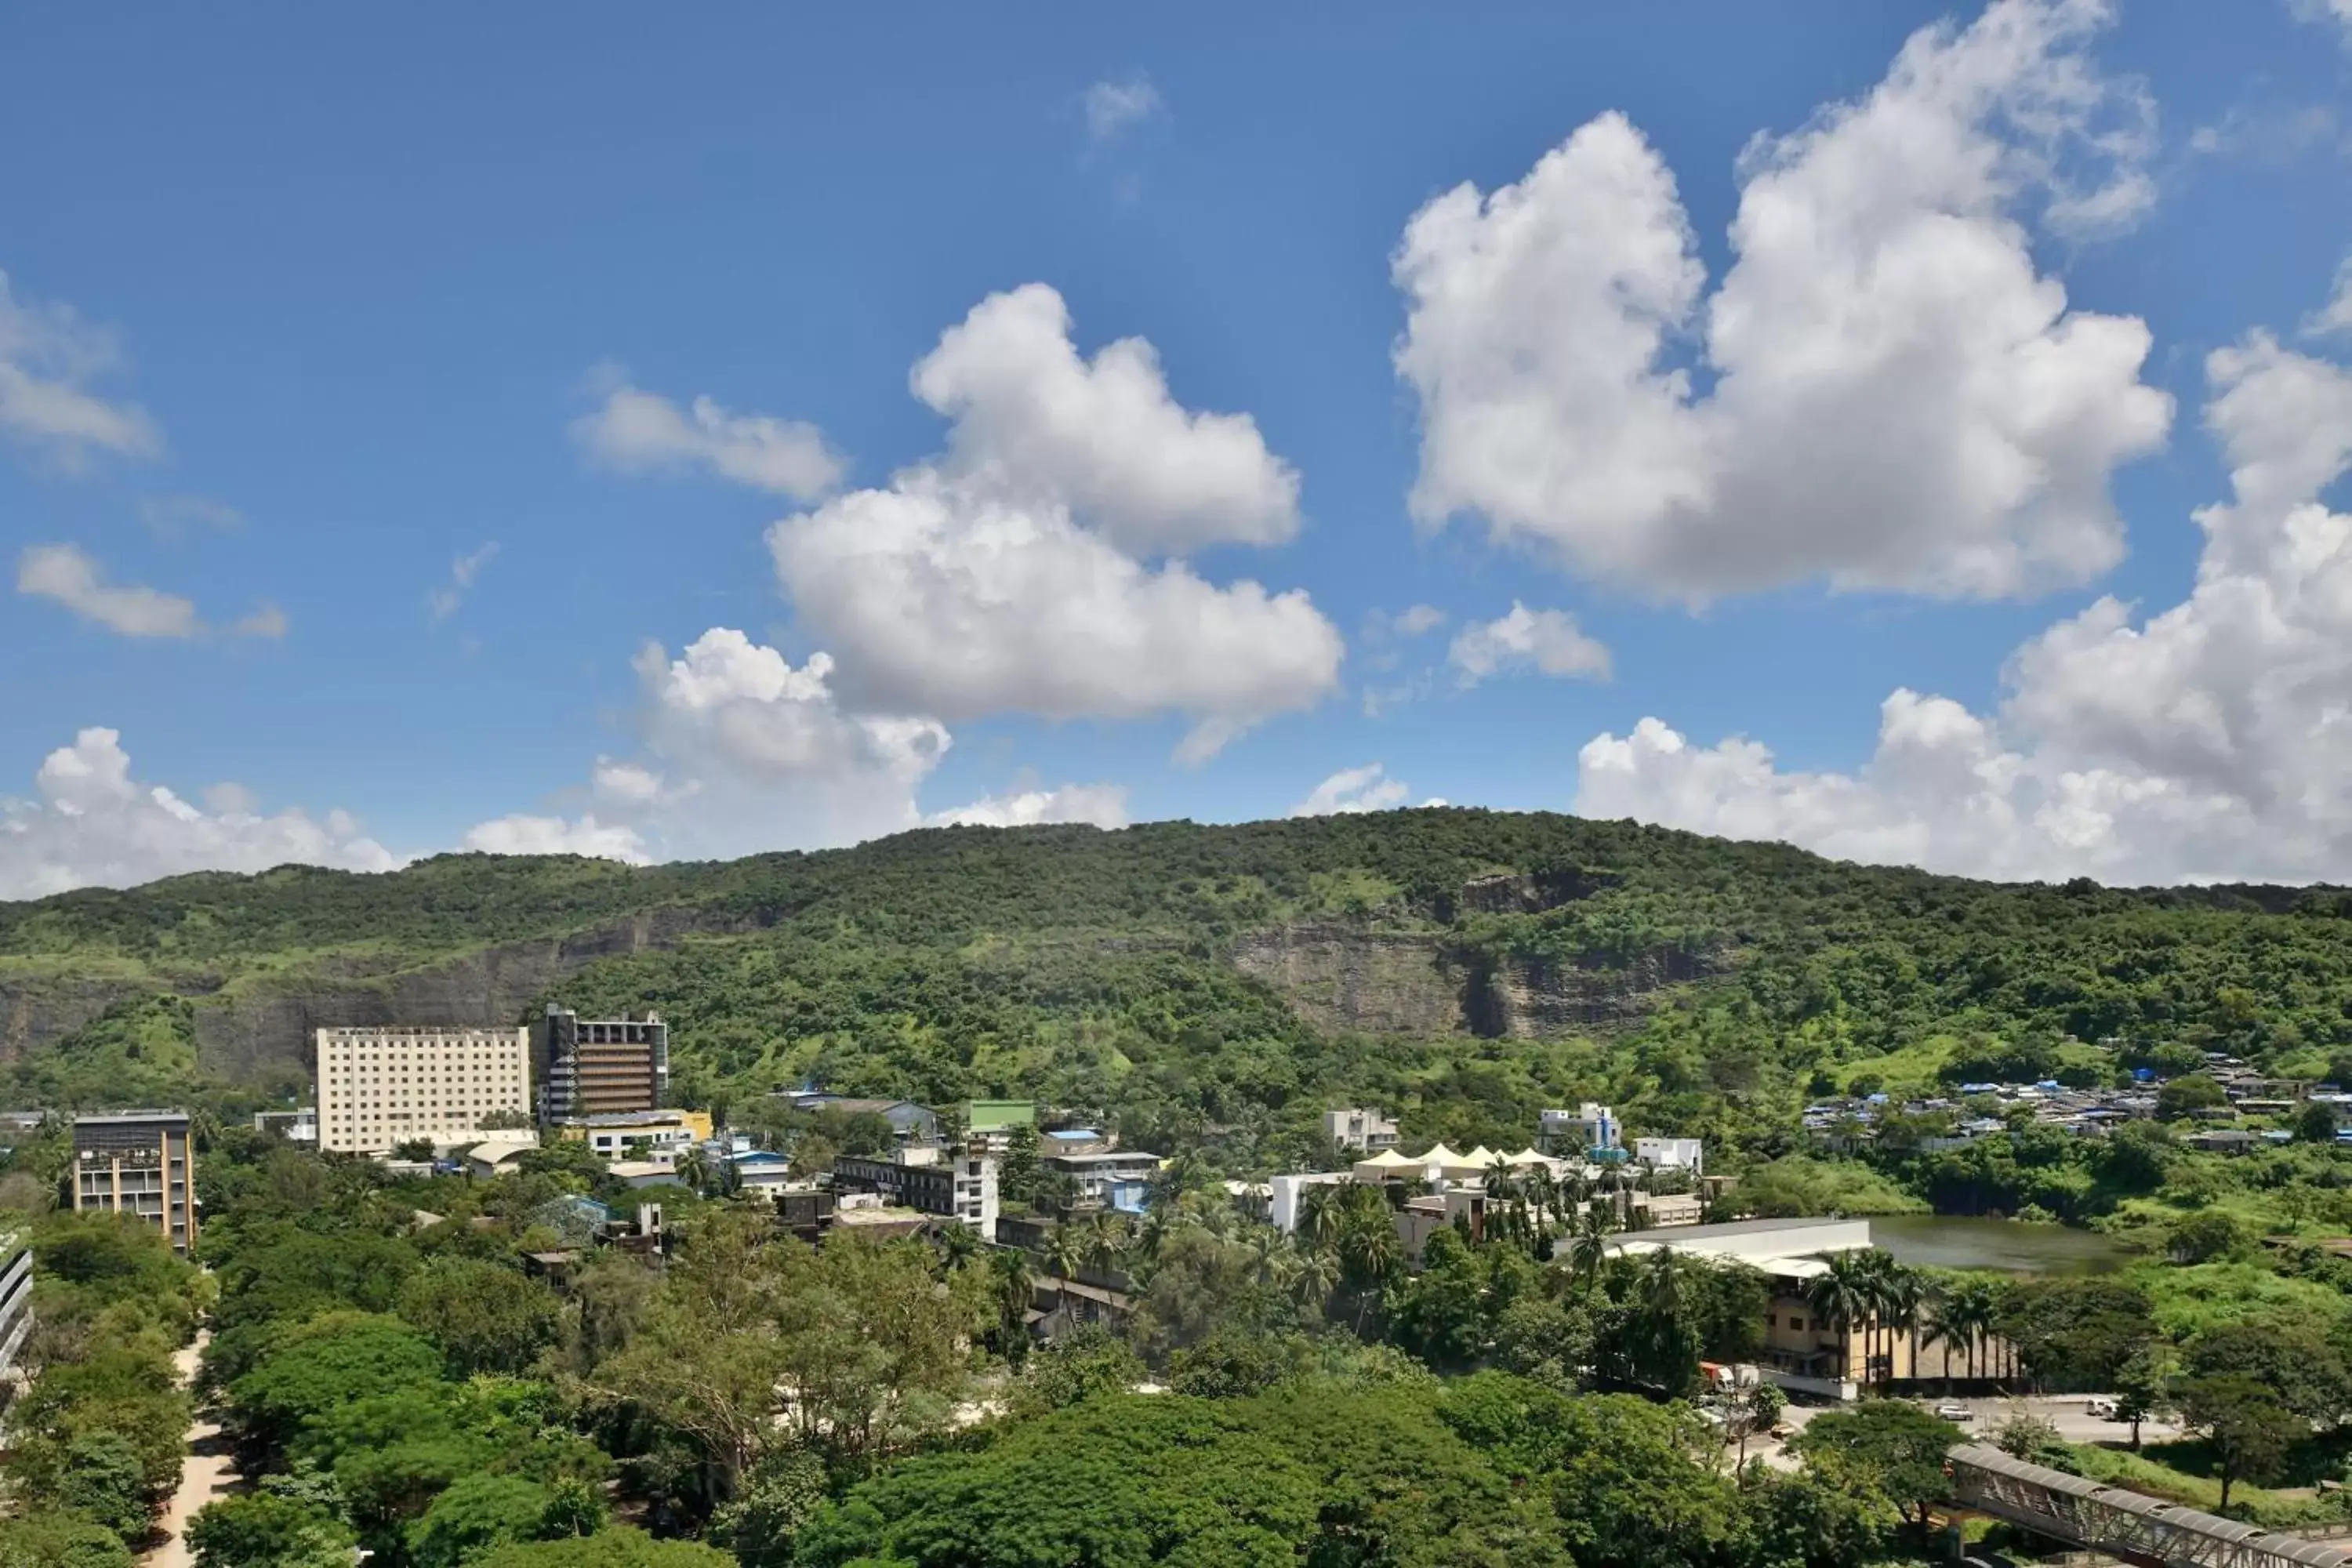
(1440, 1156)
(1388, 1160)
(1526, 1157)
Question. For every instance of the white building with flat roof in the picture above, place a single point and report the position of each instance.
(1672, 1153)
(380, 1087)
(1360, 1126)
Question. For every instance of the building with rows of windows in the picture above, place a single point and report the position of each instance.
(380, 1087)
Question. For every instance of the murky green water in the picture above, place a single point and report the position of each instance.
(1937, 1241)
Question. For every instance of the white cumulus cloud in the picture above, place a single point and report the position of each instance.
(48, 356)
(740, 752)
(1012, 574)
(641, 432)
(1548, 641)
(1351, 790)
(1103, 804)
(90, 822)
(2209, 741)
(1892, 396)
(1115, 106)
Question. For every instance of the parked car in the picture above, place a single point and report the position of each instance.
(1951, 1412)
(2101, 1409)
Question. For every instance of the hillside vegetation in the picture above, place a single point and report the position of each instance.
(1098, 970)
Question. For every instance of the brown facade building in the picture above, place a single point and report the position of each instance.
(599, 1067)
(138, 1163)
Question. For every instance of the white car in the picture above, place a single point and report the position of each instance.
(2101, 1410)
(1950, 1412)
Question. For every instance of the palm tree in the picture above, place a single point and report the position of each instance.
(1318, 1276)
(1373, 1252)
(1839, 1295)
(693, 1167)
(1322, 1209)
(1063, 1252)
(1939, 1327)
(1106, 1239)
(1966, 1313)
(1904, 1299)
(1543, 1197)
(1590, 1249)
(958, 1242)
(1010, 1284)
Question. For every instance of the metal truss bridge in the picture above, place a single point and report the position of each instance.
(2128, 1525)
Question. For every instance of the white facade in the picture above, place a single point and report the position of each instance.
(1360, 1128)
(379, 1087)
(294, 1126)
(1673, 1153)
(1287, 1193)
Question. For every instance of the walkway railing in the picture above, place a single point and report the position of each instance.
(2121, 1523)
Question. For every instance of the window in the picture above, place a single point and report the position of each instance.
(1796, 1323)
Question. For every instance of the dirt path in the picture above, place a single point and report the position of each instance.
(205, 1473)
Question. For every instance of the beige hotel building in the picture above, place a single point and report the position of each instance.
(381, 1086)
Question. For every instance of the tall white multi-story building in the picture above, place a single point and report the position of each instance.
(383, 1086)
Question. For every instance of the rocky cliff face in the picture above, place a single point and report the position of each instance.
(1340, 976)
(263, 1024)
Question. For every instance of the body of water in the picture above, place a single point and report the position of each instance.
(1939, 1241)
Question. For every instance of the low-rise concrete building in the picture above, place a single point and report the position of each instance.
(1671, 1155)
(950, 1184)
(1359, 1127)
(911, 1123)
(1590, 1129)
(636, 1134)
(293, 1126)
(1115, 1179)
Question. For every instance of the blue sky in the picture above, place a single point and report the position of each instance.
(351, 300)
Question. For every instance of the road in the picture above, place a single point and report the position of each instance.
(2067, 1412)
(205, 1474)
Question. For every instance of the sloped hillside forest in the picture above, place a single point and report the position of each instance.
(391, 1370)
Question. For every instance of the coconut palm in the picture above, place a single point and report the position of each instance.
(1065, 1250)
(1013, 1288)
(1902, 1301)
(1317, 1277)
(1939, 1329)
(693, 1167)
(1105, 1238)
(1372, 1253)
(1840, 1296)
(1322, 1210)
(1590, 1251)
(1966, 1310)
(958, 1242)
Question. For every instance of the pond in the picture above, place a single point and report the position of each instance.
(1942, 1241)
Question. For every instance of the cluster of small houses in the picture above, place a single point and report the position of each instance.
(1847, 1124)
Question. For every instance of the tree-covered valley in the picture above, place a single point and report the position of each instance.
(392, 1371)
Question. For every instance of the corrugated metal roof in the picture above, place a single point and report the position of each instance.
(2316, 1554)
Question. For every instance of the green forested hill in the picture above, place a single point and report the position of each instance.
(1462, 966)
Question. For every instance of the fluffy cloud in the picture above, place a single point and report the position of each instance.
(2335, 316)
(740, 752)
(1548, 641)
(2211, 741)
(2336, 11)
(1353, 790)
(639, 432)
(1898, 400)
(1010, 575)
(91, 823)
(1038, 424)
(1112, 107)
(48, 357)
(1105, 805)
(64, 573)
(1416, 619)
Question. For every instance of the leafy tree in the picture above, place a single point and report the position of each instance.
(1089, 1360)
(1883, 1448)
(326, 1364)
(260, 1530)
(2182, 1097)
(2245, 1424)
(2290, 1358)
(485, 1316)
(2144, 1388)
(2075, 1333)
(765, 1518)
(476, 1513)
(105, 1481)
(620, 1548)
(2315, 1123)
(57, 1539)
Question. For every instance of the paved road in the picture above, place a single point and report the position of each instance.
(2067, 1412)
(205, 1474)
